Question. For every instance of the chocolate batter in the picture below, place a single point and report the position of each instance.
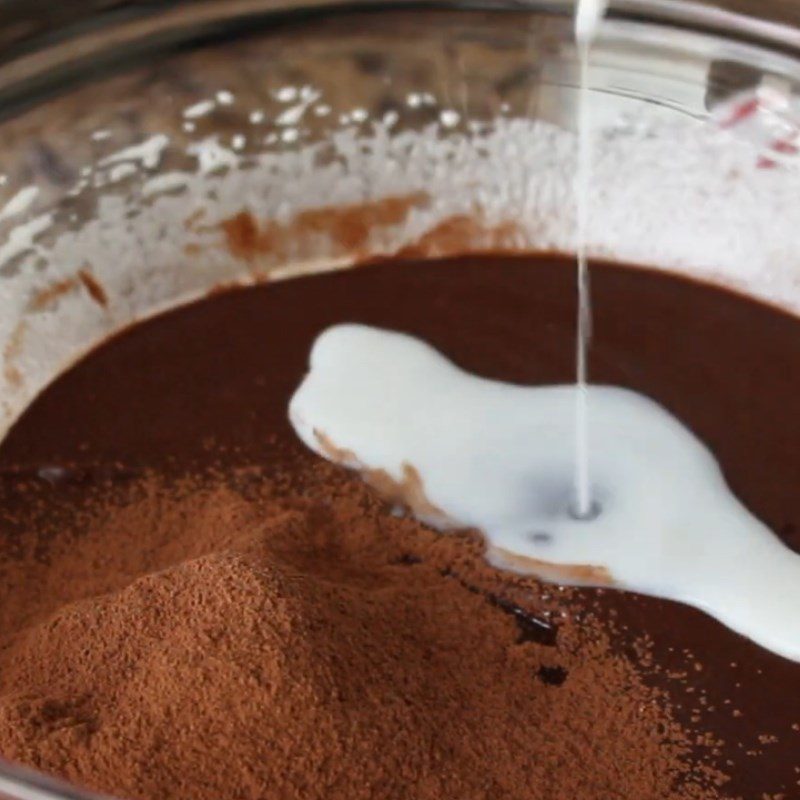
(211, 382)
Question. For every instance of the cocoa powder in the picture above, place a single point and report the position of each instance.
(261, 637)
(134, 655)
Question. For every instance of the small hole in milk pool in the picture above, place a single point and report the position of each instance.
(540, 537)
(592, 513)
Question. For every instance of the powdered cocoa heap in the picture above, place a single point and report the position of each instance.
(211, 639)
(275, 632)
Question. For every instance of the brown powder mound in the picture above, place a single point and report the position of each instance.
(242, 639)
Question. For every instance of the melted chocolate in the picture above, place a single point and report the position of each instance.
(222, 371)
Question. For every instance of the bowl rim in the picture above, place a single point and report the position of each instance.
(39, 59)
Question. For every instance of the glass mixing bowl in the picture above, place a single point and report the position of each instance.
(153, 153)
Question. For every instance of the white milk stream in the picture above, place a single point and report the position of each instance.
(588, 16)
(464, 452)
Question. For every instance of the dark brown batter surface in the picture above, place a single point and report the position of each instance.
(208, 385)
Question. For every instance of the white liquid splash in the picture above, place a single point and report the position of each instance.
(483, 454)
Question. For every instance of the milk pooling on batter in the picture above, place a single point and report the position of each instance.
(466, 452)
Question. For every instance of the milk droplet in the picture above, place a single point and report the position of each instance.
(470, 452)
